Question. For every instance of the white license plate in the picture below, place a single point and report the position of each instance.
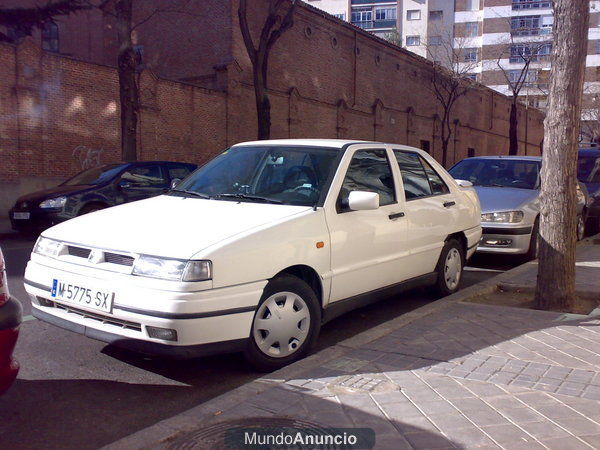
(76, 294)
(21, 216)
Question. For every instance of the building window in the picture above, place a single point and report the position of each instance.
(413, 40)
(472, 5)
(435, 40)
(139, 57)
(528, 79)
(470, 152)
(385, 17)
(413, 14)
(341, 16)
(471, 54)
(471, 76)
(530, 4)
(531, 25)
(472, 29)
(50, 37)
(362, 17)
(520, 53)
(426, 146)
(597, 46)
(436, 15)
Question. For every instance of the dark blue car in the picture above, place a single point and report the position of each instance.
(588, 172)
(94, 189)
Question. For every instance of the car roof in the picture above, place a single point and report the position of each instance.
(516, 158)
(590, 151)
(331, 143)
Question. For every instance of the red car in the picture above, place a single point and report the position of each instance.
(10, 320)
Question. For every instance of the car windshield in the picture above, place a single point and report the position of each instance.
(273, 174)
(588, 169)
(512, 173)
(95, 175)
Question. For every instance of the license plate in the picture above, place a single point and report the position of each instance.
(89, 297)
(21, 216)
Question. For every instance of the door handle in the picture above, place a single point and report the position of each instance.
(449, 204)
(396, 215)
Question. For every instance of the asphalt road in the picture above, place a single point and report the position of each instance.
(74, 392)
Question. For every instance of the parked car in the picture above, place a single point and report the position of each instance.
(94, 189)
(10, 320)
(588, 173)
(257, 249)
(508, 188)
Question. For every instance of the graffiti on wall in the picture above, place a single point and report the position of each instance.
(87, 157)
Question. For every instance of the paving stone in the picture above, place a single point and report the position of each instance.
(401, 411)
(522, 415)
(578, 425)
(544, 430)
(504, 402)
(471, 437)
(436, 407)
(485, 417)
(592, 393)
(567, 391)
(508, 434)
(412, 424)
(594, 440)
(502, 377)
(428, 440)
(570, 443)
(450, 421)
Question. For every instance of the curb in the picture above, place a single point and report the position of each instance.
(167, 430)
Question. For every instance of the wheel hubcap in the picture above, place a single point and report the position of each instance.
(452, 269)
(281, 324)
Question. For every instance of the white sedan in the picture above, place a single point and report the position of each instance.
(257, 249)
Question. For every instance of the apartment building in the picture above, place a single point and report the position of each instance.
(418, 25)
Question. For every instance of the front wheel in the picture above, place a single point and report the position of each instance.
(286, 324)
(581, 220)
(450, 267)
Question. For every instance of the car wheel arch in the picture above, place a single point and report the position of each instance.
(462, 240)
(92, 204)
(308, 275)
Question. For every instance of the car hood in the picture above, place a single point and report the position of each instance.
(53, 192)
(176, 227)
(495, 199)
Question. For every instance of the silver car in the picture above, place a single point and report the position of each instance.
(508, 189)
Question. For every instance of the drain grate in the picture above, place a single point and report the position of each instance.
(213, 436)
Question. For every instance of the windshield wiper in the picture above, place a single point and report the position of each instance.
(195, 194)
(250, 197)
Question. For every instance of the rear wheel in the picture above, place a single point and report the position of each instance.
(581, 220)
(450, 267)
(532, 252)
(286, 324)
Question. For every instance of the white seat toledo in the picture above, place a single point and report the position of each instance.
(257, 249)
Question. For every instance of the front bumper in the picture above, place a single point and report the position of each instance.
(205, 321)
(39, 219)
(10, 320)
(505, 240)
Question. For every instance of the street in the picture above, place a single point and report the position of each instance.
(76, 392)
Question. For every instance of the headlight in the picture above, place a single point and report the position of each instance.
(46, 247)
(172, 269)
(503, 217)
(57, 202)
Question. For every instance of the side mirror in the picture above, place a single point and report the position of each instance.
(175, 182)
(362, 200)
(464, 183)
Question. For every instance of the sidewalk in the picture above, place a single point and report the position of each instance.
(447, 375)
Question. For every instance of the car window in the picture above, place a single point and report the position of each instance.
(414, 177)
(370, 171)
(178, 171)
(499, 172)
(588, 169)
(438, 186)
(144, 176)
(95, 175)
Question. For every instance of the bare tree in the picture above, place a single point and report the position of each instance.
(128, 61)
(451, 78)
(556, 271)
(22, 21)
(527, 55)
(280, 18)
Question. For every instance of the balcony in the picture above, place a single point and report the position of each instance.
(375, 24)
(529, 4)
(370, 2)
(531, 31)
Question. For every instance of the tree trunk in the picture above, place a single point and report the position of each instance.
(128, 89)
(556, 272)
(263, 104)
(513, 148)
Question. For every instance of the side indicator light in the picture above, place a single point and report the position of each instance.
(320, 244)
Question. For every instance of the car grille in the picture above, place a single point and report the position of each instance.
(106, 320)
(115, 258)
(78, 251)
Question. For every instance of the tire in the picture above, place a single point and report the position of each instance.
(581, 221)
(532, 252)
(90, 208)
(269, 355)
(449, 268)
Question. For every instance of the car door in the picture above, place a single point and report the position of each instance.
(366, 246)
(431, 210)
(143, 181)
